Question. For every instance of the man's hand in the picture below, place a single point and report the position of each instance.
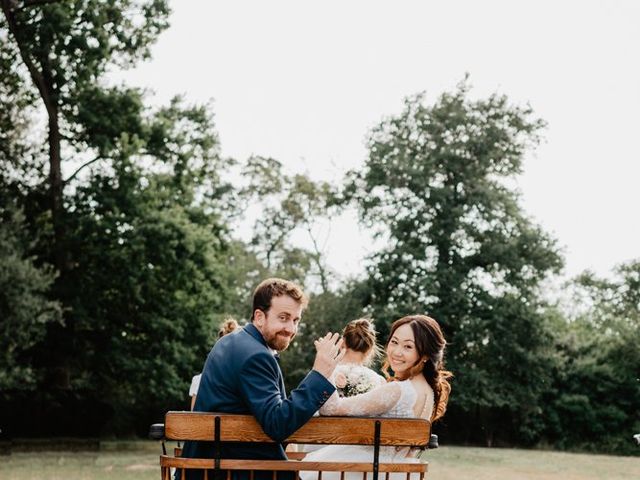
(329, 353)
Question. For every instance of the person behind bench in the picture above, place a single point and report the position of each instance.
(242, 375)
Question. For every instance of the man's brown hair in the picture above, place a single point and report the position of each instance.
(274, 287)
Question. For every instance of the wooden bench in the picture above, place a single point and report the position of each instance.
(221, 427)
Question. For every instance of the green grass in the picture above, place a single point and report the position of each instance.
(139, 460)
(448, 463)
(114, 460)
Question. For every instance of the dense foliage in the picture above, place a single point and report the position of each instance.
(114, 279)
(25, 308)
(459, 247)
(594, 401)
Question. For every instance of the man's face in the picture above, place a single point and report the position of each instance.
(279, 324)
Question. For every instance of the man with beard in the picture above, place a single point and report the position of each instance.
(242, 375)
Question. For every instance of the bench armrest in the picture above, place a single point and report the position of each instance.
(156, 431)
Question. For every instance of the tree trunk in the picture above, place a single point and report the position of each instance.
(56, 191)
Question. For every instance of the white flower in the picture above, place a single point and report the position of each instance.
(357, 380)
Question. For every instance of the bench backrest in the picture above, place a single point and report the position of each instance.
(414, 432)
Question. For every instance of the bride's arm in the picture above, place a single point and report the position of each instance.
(375, 402)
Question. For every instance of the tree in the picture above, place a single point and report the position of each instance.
(137, 228)
(148, 287)
(64, 49)
(435, 186)
(289, 203)
(147, 243)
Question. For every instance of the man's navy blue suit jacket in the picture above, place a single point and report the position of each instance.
(242, 375)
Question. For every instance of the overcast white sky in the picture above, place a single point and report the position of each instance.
(303, 82)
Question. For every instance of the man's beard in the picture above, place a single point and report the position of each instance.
(279, 342)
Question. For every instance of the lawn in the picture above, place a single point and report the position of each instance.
(449, 463)
(139, 460)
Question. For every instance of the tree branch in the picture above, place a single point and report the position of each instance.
(317, 259)
(86, 164)
(36, 75)
(34, 3)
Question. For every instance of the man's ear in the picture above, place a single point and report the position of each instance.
(258, 317)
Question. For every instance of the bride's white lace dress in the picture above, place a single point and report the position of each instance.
(394, 399)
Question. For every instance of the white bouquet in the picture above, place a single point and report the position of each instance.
(355, 379)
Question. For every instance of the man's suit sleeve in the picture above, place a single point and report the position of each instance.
(280, 418)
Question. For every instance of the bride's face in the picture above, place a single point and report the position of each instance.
(401, 350)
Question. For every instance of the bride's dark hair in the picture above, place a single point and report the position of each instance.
(430, 345)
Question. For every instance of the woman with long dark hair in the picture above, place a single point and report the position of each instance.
(417, 388)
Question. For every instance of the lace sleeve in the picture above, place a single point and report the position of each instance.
(375, 402)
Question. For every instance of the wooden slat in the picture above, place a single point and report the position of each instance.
(289, 465)
(319, 430)
(360, 431)
(296, 455)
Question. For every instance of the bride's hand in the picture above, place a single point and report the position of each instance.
(329, 353)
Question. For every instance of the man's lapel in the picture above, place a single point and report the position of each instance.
(283, 392)
(251, 329)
